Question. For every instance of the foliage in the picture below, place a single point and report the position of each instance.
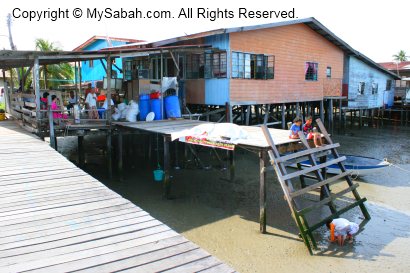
(400, 56)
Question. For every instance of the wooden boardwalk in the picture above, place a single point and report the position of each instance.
(56, 218)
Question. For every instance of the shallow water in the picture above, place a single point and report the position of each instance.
(222, 216)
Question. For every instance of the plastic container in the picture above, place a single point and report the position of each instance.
(156, 108)
(155, 95)
(172, 108)
(144, 105)
(158, 175)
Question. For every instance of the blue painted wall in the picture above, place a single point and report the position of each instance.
(359, 71)
(217, 90)
(97, 72)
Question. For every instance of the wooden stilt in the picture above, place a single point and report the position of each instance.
(297, 109)
(109, 155)
(340, 116)
(360, 118)
(167, 168)
(266, 116)
(231, 167)
(80, 151)
(120, 155)
(262, 190)
(322, 110)
(248, 114)
(283, 116)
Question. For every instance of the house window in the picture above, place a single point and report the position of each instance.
(91, 63)
(252, 66)
(219, 65)
(311, 71)
(128, 70)
(195, 65)
(388, 84)
(156, 68)
(328, 72)
(375, 88)
(362, 85)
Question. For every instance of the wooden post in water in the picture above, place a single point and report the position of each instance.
(53, 139)
(340, 116)
(262, 190)
(120, 155)
(322, 111)
(80, 151)
(108, 115)
(248, 115)
(283, 116)
(167, 168)
(36, 82)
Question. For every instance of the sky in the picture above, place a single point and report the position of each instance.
(378, 30)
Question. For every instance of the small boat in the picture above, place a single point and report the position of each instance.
(359, 165)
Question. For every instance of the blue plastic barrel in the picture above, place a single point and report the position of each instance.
(156, 108)
(144, 106)
(172, 108)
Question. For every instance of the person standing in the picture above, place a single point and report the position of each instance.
(91, 105)
(72, 100)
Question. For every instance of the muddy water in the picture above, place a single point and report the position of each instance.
(222, 216)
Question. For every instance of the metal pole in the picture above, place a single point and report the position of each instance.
(53, 142)
(109, 69)
(262, 191)
(162, 95)
(36, 80)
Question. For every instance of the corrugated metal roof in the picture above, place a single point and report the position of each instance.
(310, 22)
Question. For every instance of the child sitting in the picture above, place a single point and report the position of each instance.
(341, 228)
(312, 132)
(295, 128)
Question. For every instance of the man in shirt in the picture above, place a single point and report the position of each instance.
(91, 105)
(72, 100)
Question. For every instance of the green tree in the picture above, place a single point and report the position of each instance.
(400, 56)
(53, 75)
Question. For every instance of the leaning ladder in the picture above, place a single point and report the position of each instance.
(285, 179)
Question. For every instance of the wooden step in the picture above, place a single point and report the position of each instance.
(319, 184)
(327, 199)
(306, 152)
(314, 168)
(337, 214)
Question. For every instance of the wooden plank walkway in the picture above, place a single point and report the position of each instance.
(56, 218)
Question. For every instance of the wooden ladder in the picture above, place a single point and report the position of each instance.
(327, 198)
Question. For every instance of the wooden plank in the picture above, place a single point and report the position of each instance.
(32, 218)
(94, 257)
(85, 237)
(338, 213)
(319, 184)
(328, 199)
(313, 168)
(190, 254)
(61, 220)
(71, 226)
(306, 152)
(196, 266)
(218, 269)
(57, 205)
(102, 245)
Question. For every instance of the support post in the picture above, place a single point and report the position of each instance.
(6, 93)
(120, 155)
(109, 154)
(283, 116)
(162, 94)
(53, 142)
(36, 81)
(109, 72)
(340, 116)
(322, 111)
(266, 117)
(360, 118)
(330, 113)
(231, 167)
(80, 151)
(248, 114)
(297, 109)
(262, 191)
(167, 168)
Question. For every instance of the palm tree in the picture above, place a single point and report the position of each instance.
(52, 74)
(400, 56)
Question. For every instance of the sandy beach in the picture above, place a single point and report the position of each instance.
(222, 216)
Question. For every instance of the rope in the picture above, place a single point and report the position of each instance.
(400, 168)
